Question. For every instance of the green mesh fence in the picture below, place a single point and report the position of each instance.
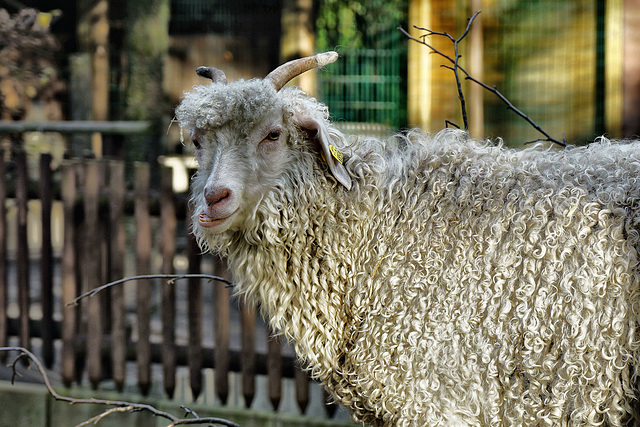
(547, 57)
(368, 83)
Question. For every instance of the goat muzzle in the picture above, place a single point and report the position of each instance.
(216, 197)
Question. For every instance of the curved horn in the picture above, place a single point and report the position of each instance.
(287, 71)
(216, 76)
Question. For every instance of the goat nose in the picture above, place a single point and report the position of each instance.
(213, 197)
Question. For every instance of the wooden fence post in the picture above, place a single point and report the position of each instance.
(4, 291)
(248, 352)
(90, 265)
(117, 250)
(22, 256)
(329, 405)
(221, 319)
(103, 256)
(78, 248)
(194, 310)
(274, 369)
(143, 261)
(168, 241)
(302, 388)
(46, 260)
(69, 325)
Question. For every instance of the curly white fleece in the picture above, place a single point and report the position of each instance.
(457, 282)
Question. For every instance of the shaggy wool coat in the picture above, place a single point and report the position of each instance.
(457, 282)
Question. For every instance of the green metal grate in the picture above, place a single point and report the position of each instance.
(368, 83)
(547, 57)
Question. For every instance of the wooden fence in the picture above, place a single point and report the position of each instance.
(106, 228)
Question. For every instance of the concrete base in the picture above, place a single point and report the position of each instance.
(31, 405)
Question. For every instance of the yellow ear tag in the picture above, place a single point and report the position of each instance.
(336, 154)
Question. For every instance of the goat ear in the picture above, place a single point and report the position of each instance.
(334, 158)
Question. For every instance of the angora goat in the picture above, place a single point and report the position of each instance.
(426, 280)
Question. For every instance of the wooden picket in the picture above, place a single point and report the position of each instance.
(22, 252)
(4, 288)
(46, 260)
(221, 337)
(92, 323)
(168, 241)
(143, 267)
(117, 248)
(194, 298)
(69, 278)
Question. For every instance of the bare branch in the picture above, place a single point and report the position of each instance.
(171, 280)
(94, 420)
(455, 60)
(189, 411)
(447, 123)
(511, 107)
(120, 406)
(456, 66)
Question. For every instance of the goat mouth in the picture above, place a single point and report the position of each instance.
(206, 221)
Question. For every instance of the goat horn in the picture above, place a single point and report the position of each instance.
(216, 76)
(287, 71)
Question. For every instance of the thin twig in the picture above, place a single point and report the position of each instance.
(448, 122)
(456, 66)
(120, 405)
(94, 420)
(171, 280)
(188, 411)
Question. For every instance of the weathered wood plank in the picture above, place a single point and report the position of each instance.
(330, 406)
(168, 241)
(143, 266)
(274, 369)
(69, 289)
(91, 272)
(302, 389)
(22, 260)
(46, 260)
(221, 320)
(248, 352)
(117, 248)
(4, 289)
(78, 248)
(194, 310)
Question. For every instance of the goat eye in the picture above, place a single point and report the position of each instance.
(196, 143)
(273, 135)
